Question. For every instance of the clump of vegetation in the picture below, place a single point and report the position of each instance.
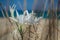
(20, 30)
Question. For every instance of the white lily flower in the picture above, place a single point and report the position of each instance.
(12, 9)
(25, 18)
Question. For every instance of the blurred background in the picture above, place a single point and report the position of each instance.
(39, 6)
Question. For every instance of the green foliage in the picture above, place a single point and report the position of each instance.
(20, 28)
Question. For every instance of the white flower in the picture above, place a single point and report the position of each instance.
(12, 9)
(25, 18)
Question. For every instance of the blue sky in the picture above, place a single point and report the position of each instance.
(29, 4)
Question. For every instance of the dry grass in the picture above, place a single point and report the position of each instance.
(29, 32)
(8, 31)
